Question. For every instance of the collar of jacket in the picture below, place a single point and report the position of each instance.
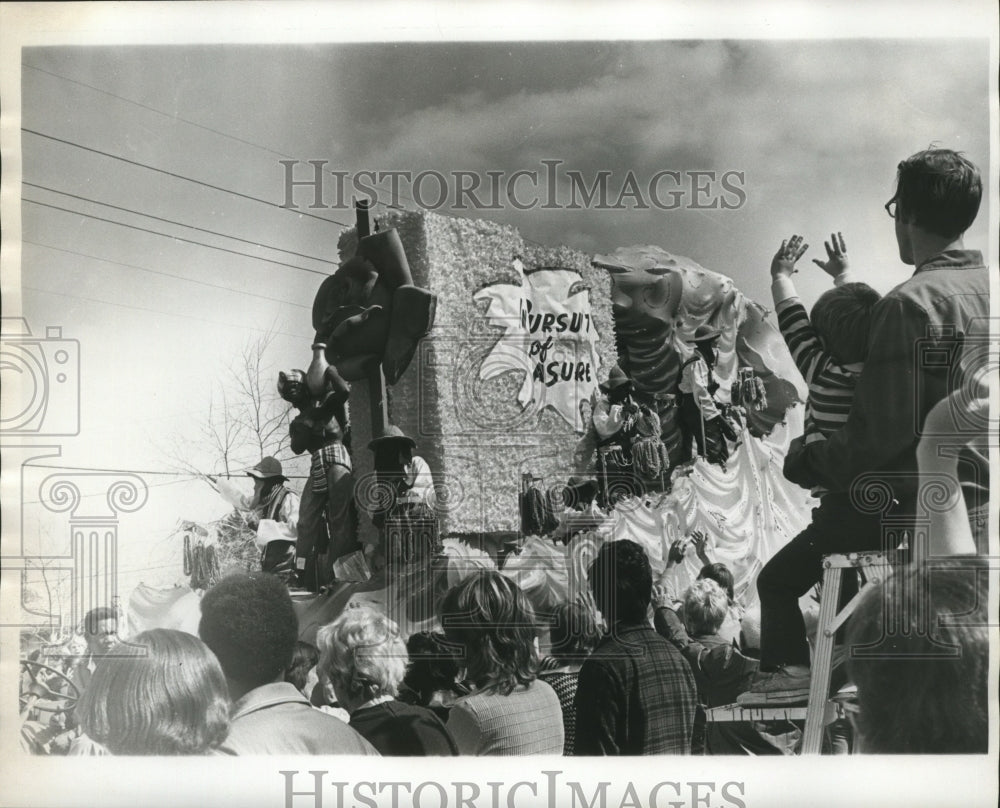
(953, 259)
(267, 696)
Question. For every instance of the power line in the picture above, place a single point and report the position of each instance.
(237, 139)
(174, 238)
(192, 474)
(166, 274)
(179, 224)
(175, 117)
(157, 111)
(113, 471)
(103, 494)
(147, 569)
(160, 311)
(181, 176)
(248, 143)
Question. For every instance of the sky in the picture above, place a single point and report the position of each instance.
(814, 128)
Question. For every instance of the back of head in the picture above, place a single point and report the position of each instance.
(250, 624)
(705, 607)
(574, 632)
(97, 615)
(304, 659)
(434, 664)
(622, 582)
(362, 654)
(722, 575)
(489, 616)
(939, 190)
(842, 317)
(164, 693)
(924, 688)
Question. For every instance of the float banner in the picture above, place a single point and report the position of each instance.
(549, 336)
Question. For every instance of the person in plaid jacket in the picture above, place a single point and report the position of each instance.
(636, 693)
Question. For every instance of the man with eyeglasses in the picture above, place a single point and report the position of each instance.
(919, 333)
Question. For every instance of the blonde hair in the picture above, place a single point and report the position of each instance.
(362, 653)
(705, 606)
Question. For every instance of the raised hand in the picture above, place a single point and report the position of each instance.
(790, 251)
(676, 553)
(836, 252)
(700, 541)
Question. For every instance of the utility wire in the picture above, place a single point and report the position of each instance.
(242, 327)
(179, 224)
(390, 206)
(175, 175)
(193, 474)
(172, 237)
(166, 274)
(157, 111)
(103, 494)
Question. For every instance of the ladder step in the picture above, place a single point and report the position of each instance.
(789, 712)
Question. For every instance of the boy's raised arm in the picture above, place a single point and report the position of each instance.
(793, 322)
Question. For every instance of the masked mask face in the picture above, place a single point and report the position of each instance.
(258, 489)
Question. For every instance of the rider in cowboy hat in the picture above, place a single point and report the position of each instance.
(614, 419)
(699, 417)
(271, 500)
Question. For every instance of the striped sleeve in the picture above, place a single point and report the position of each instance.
(801, 338)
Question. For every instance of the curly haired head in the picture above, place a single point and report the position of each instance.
(622, 582)
(434, 664)
(705, 607)
(250, 624)
(722, 575)
(574, 632)
(362, 654)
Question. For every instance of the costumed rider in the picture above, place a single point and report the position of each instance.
(273, 511)
(615, 418)
(537, 518)
(408, 478)
(701, 418)
(649, 455)
(581, 513)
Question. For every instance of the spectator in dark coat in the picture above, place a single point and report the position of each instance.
(364, 658)
(432, 677)
(636, 694)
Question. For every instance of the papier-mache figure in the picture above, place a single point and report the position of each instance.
(320, 394)
(369, 311)
(581, 513)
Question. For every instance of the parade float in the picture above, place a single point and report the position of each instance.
(490, 355)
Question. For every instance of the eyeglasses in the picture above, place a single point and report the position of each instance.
(890, 208)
